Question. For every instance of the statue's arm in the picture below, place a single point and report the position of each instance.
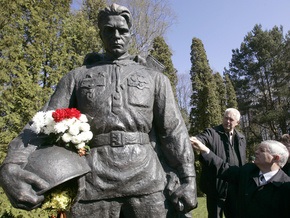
(174, 143)
(64, 94)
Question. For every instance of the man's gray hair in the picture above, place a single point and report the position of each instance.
(234, 111)
(114, 9)
(277, 148)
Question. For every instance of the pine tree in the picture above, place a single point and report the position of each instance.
(40, 42)
(81, 33)
(162, 53)
(259, 71)
(221, 92)
(31, 50)
(231, 97)
(205, 110)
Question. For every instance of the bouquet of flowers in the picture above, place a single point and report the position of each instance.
(67, 126)
(64, 127)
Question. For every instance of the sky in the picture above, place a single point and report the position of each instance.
(221, 25)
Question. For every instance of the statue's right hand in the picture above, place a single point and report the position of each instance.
(21, 186)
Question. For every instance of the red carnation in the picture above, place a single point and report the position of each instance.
(58, 115)
(65, 113)
(73, 112)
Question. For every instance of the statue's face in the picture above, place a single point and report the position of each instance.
(115, 35)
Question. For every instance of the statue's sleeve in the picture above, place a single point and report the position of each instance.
(64, 94)
(27, 141)
(19, 149)
(171, 130)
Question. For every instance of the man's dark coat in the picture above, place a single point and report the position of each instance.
(215, 139)
(266, 201)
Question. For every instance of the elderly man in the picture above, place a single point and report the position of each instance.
(285, 139)
(263, 188)
(124, 101)
(229, 145)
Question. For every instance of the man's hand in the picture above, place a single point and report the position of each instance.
(21, 186)
(198, 145)
(184, 197)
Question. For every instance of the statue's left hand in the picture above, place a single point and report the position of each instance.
(21, 186)
(184, 197)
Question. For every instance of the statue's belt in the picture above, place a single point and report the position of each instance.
(119, 139)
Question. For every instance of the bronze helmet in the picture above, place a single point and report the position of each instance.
(56, 165)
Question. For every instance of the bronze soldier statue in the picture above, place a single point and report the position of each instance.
(126, 103)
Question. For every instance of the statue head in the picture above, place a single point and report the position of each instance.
(115, 23)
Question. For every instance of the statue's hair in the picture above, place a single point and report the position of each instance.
(277, 148)
(234, 111)
(115, 9)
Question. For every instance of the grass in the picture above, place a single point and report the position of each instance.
(200, 211)
(7, 211)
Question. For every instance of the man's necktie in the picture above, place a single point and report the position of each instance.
(262, 179)
(231, 138)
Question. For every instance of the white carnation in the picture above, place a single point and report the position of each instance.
(39, 118)
(83, 118)
(86, 136)
(85, 127)
(38, 122)
(80, 145)
(66, 137)
(48, 119)
(76, 139)
(70, 122)
(48, 129)
(61, 127)
(74, 129)
(36, 128)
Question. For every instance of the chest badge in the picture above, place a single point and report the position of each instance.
(138, 81)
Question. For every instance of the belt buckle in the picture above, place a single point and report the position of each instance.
(116, 139)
